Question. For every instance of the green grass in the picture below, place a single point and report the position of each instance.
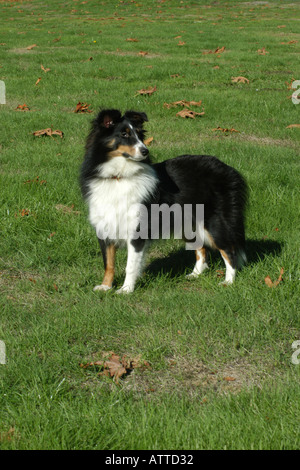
(195, 334)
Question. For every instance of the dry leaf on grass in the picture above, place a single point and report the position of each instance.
(147, 91)
(269, 281)
(290, 84)
(115, 366)
(239, 80)
(38, 80)
(292, 126)
(219, 50)
(22, 213)
(82, 108)
(45, 70)
(23, 107)
(50, 132)
(226, 130)
(36, 180)
(188, 113)
(8, 435)
(132, 40)
(183, 103)
(31, 47)
(66, 209)
(262, 51)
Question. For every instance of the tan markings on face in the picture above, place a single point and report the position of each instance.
(111, 143)
(120, 150)
(110, 266)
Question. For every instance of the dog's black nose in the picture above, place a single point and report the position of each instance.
(145, 151)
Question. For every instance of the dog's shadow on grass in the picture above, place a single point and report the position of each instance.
(181, 261)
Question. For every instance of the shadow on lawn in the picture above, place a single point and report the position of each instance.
(183, 260)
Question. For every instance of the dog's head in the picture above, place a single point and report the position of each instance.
(122, 135)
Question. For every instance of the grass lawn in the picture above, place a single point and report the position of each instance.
(217, 369)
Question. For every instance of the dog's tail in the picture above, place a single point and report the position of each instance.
(241, 258)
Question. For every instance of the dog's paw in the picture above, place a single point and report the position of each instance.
(192, 276)
(226, 283)
(101, 287)
(125, 290)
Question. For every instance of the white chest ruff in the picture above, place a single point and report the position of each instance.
(114, 203)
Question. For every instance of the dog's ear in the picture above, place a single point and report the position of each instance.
(136, 117)
(108, 118)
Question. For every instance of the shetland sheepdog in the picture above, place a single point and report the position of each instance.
(122, 186)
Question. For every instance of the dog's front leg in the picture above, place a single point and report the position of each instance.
(108, 253)
(135, 263)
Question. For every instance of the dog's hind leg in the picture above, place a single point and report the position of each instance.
(108, 253)
(230, 260)
(201, 263)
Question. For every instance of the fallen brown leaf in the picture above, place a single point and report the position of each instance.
(8, 435)
(183, 103)
(23, 107)
(132, 40)
(262, 51)
(229, 379)
(82, 108)
(66, 209)
(38, 80)
(22, 213)
(292, 125)
(188, 113)
(269, 281)
(219, 50)
(225, 129)
(36, 180)
(48, 132)
(147, 91)
(115, 366)
(45, 70)
(239, 80)
(31, 47)
(290, 84)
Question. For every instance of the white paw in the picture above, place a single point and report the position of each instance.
(101, 287)
(192, 276)
(226, 283)
(197, 272)
(125, 290)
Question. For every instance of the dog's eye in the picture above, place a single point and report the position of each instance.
(125, 135)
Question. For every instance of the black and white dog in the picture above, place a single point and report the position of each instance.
(117, 177)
